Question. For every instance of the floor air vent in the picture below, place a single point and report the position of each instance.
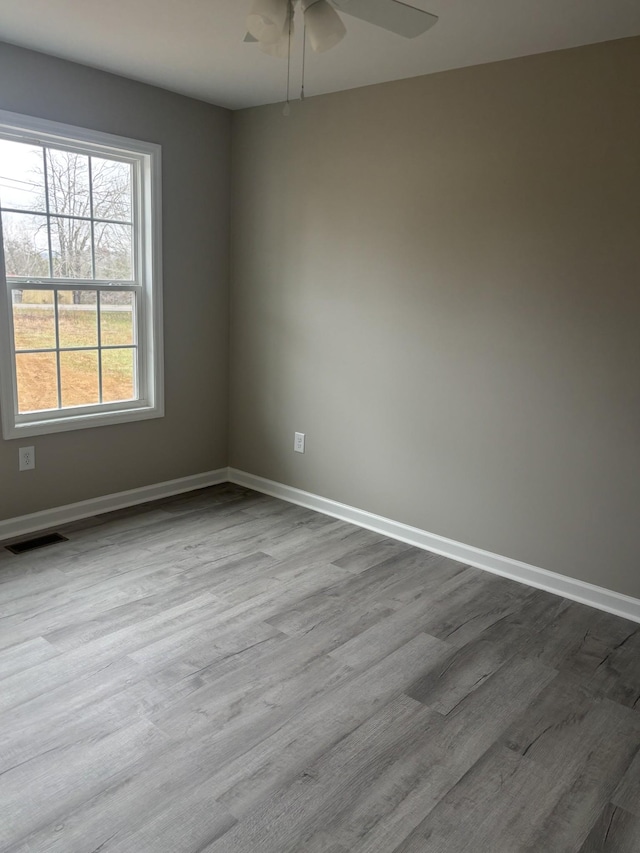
(36, 542)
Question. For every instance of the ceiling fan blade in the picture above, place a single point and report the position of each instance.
(324, 26)
(391, 15)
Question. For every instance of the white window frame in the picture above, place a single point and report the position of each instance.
(147, 204)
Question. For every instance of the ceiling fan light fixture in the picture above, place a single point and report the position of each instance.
(268, 20)
(279, 49)
(324, 26)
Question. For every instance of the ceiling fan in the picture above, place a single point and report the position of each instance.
(270, 22)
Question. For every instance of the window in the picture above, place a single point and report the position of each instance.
(80, 307)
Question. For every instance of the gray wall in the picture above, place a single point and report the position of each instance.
(438, 281)
(195, 138)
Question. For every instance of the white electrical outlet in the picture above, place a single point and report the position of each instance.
(298, 442)
(27, 458)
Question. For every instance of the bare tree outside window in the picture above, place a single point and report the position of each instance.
(22, 254)
(90, 209)
(80, 188)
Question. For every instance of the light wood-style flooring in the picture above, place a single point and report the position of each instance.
(224, 672)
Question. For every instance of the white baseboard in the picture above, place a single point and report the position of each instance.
(48, 518)
(576, 590)
(585, 593)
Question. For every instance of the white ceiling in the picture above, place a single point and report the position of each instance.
(195, 46)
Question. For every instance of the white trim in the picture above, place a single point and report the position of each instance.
(21, 525)
(576, 590)
(55, 131)
(123, 414)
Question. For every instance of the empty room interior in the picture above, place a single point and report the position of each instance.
(320, 403)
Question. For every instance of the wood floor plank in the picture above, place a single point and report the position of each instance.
(137, 795)
(617, 673)
(415, 782)
(331, 623)
(91, 705)
(371, 555)
(396, 581)
(77, 606)
(469, 609)
(512, 804)
(401, 621)
(46, 788)
(99, 623)
(322, 842)
(580, 639)
(441, 760)
(23, 655)
(45, 676)
(537, 611)
(615, 831)
(189, 822)
(627, 794)
(593, 783)
(490, 808)
(320, 724)
(464, 671)
(566, 720)
(208, 641)
(328, 783)
(326, 546)
(130, 805)
(24, 585)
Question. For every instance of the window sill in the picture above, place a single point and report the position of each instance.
(68, 423)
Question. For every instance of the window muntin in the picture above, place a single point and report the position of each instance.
(80, 234)
(93, 341)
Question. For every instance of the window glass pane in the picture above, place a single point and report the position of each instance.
(114, 252)
(78, 318)
(37, 381)
(116, 318)
(34, 322)
(79, 378)
(118, 375)
(26, 245)
(68, 183)
(111, 189)
(21, 176)
(71, 247)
